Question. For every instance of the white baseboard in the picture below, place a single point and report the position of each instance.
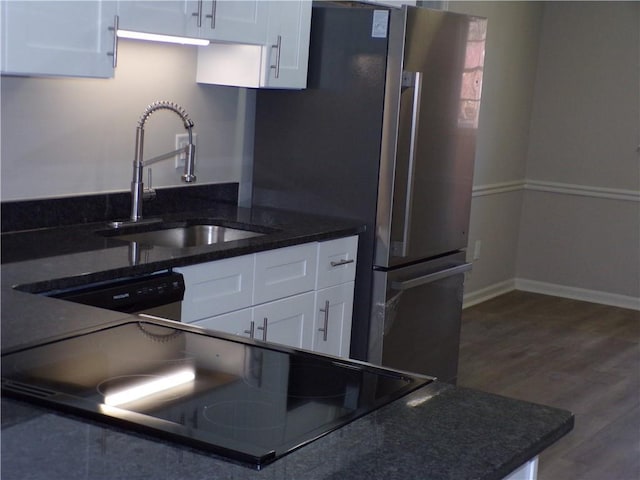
(487, 293)
(594, 296)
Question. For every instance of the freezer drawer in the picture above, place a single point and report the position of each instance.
(416, 317)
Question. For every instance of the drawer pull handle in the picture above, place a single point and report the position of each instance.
(252, 329)
(264, 329)
(341, 262)
(325, 330)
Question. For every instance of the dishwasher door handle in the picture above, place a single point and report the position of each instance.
(431, 277)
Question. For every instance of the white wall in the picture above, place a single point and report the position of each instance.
(503, 139)
(580, 226)
(556, 202)
(62, 136)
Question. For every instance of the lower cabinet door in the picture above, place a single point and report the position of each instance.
(288, 321)
(236, 323)
(332, 322)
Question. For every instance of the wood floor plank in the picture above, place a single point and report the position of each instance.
(581, 356)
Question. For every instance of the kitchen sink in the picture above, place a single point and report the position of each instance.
(184, 235)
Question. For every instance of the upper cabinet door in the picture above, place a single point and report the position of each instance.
(287, 52)
(66, 38)
(279, 61)
(242, 21)
(162, 17)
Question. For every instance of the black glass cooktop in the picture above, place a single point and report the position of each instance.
(241, 400)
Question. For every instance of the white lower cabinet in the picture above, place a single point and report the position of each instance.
(236, 323)
(300, 296)
(332, 320)
(283, 272)
(287, 321)
(528, 471)
(218, 287)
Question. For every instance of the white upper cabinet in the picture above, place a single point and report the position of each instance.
(217, 20)
(243, 21)
(257, 43)
(67, 38)
(279, 61)
(287, 52)
(167, 18)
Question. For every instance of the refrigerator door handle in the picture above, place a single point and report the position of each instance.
(432, 277)
(416, 84)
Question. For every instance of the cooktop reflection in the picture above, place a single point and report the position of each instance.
(248, 402)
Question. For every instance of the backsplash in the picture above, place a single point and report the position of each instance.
(76, 136)
(54, 212)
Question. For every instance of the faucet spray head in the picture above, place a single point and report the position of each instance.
(189, 164)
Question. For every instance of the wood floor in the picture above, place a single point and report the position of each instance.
(580, 356)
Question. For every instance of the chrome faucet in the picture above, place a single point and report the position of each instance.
(138, 192)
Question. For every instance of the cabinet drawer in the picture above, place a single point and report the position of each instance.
(217, 287)
(284, 272)
(337, 261)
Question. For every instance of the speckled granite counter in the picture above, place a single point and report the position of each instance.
(437, 432)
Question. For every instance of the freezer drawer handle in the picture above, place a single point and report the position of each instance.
(341, 262)
(432, 277)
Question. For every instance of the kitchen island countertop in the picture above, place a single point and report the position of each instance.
(437, 432)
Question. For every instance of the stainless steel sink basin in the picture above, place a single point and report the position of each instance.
(188, 236)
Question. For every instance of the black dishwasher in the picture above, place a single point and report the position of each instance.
(158, 294)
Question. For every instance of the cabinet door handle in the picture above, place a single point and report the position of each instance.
(212, 15)
(278, 47)
(252, 327)
(264, 328)
(325, 329)
(198, 13)
(114, 54)
(341, 262)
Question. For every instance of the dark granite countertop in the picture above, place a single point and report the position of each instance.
(438, 432)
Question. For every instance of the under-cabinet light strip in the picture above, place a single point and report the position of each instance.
(153, 37)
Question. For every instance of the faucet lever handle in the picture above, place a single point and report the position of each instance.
(149, 193)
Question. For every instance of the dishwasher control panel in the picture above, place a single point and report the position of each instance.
(130, 295)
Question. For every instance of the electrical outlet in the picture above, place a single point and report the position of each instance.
(476, 250)
(182, 140)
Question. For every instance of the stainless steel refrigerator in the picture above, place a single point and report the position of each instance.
(385, 134)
